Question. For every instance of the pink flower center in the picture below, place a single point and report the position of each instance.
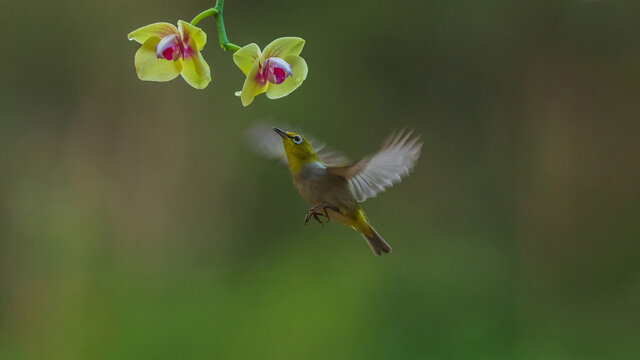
(170, 48)
(276, 70)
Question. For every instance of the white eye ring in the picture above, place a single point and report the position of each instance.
(297, 139)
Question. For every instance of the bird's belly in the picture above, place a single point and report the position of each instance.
(317, 186)
(340, 217)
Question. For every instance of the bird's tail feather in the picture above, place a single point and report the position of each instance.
(377, 243)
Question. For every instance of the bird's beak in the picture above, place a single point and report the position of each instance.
(280, 132)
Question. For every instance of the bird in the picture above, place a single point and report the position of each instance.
(334, 186)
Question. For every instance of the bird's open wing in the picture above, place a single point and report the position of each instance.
(376, 173)
(267, 143)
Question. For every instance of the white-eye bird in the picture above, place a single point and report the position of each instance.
(334, 187)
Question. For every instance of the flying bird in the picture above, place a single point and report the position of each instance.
(334, 186)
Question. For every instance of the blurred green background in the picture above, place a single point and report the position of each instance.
(135, 223)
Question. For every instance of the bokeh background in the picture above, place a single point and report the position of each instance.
(136, 223)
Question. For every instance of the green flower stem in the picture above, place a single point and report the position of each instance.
(216, 12)
(202, 15)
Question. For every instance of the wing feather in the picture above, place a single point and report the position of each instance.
(375, 174)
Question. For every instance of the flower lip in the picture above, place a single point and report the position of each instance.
(276, 70)
(170, 48)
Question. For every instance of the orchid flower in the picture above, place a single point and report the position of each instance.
(167, 52)
(278, 70)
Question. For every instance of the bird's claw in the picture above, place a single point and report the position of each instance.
(314, 212)
(315, 215)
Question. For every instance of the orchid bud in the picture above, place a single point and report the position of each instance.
(169, 48)
(276, 70)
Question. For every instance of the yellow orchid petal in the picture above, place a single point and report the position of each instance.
(252, 86)
(245, 57)
(283, 47)
(158, 30)
(150, 68)
(190, 32)
(196, 72)
(299, 69)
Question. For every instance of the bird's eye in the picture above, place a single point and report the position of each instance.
(297, 139)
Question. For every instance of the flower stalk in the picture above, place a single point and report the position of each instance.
(216, 12)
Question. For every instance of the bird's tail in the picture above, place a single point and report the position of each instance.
(376, 242)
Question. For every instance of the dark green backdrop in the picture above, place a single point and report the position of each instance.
(135, 223)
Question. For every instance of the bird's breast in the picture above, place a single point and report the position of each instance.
(316, 185)
(309, 181)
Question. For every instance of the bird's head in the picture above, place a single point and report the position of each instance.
(298, 149)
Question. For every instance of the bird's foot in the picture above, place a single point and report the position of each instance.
(315, 213)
